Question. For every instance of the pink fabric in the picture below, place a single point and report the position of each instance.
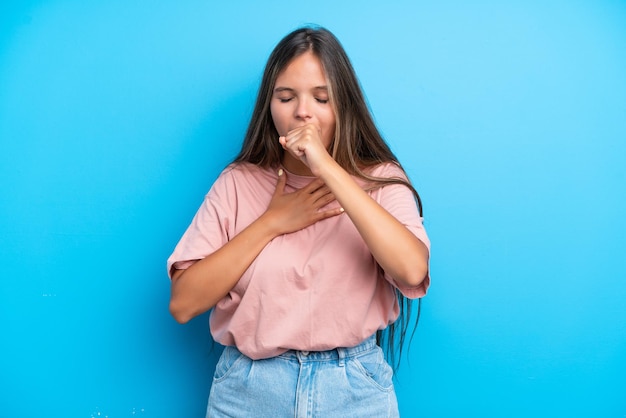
(315, 289)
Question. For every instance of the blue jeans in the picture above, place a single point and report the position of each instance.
(344, 382)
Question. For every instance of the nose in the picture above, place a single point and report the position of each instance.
(303, 110)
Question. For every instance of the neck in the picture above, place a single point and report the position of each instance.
(295, 166)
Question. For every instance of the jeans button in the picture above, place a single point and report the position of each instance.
(305, 353)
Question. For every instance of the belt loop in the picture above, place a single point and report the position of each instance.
(341, 352)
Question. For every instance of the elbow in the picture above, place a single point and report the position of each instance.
(414, 275)
(184, 307)
(179, 313)
(416, 267)
(416, 278)
(179, 306)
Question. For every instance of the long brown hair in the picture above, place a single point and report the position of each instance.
(357, 145)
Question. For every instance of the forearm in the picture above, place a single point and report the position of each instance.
(398, 251)
(198, 288)
(202, 285)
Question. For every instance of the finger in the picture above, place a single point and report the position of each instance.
(309, 127)
(283, 141)
(296, 148)
(313, 186)
(295, 131)
(324, 200)
(280, 183)
(315, 194)
(291, 137)
(292, 147)
(329, 213)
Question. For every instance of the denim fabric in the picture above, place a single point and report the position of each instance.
(345, 382)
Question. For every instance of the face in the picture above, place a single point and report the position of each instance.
(300, 96)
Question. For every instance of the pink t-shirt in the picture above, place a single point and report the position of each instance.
(315, 289)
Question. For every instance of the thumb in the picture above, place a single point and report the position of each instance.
(282, 180)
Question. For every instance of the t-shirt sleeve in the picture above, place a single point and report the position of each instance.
(209, 230)
(400, 202)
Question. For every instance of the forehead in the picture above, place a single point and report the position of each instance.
(303, 69)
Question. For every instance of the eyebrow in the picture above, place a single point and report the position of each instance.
(289, 89)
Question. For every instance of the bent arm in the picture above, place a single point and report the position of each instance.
(398, 251)
(198, 288)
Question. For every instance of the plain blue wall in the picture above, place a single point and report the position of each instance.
(116, 116)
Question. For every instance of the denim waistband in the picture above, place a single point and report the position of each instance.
(338, 353)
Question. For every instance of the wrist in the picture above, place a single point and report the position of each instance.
(327, 169)
(269, 225)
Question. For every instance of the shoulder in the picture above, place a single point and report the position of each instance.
(242, 181)
(244, 169)
(387, 170)
(237, 172)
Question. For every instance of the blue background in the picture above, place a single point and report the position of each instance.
(509, 116)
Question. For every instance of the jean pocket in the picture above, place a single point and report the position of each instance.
(230, 356)
(372, 366)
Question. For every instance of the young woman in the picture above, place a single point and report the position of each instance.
(303, 246)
